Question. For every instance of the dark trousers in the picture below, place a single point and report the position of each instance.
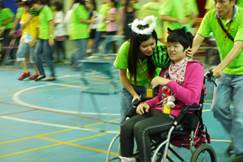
(142, 127)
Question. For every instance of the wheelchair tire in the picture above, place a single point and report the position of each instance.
(198, 154)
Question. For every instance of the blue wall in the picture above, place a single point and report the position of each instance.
(11, 4)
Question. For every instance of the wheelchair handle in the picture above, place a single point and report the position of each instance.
(135, 103)
(209, 77)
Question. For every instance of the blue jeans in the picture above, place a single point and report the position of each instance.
(24, 51)
(81, 45)
(230, 92)
(44, 51)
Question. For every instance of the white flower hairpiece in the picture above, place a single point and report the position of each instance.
(148, 20)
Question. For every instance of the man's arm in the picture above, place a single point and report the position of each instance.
(238, 46)
(197, 41)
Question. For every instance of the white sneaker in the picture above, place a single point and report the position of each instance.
(127, 159)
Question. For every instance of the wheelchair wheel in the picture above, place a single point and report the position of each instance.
(113, 150)
(204, 153)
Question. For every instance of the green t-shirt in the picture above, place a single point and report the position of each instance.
(45, 16)
(6, 14)
(160, 59)
(153, 8)
(20, 12)
(79, 30)
(174, 9)
(103, 11)
(240, 3)
(210, 25)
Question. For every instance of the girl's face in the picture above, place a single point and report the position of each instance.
(176, 51)
(147, 46)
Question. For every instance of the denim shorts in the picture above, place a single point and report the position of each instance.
(24, 51)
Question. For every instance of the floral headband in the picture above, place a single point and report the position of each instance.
(148, 23)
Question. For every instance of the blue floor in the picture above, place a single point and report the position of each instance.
(61, 122)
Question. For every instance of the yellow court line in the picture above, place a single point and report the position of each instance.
(59, 142)
(70, 143)
(45, 134)
(28, 150)
(34, 136)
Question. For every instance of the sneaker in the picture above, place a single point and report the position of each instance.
(33, 77)
(238, 158)
(230, 150)
(127, 159)
(24, 75)
(50, 78)
(40, 77)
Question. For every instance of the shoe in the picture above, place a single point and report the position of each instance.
(24, 75)
(127, 159)
(50, 79)
(230, 150)
(40, 77)
(237, 158)
(33, 77)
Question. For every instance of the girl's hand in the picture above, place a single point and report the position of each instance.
(142, 108)
(158, 81)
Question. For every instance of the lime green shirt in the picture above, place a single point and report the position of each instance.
(20, 12)
(45, 16)
(103, 11)
(79, 30)
(6, 14)
(210, 25)
(240, 3)
(174, 9)
(153, 8)
(160, 58)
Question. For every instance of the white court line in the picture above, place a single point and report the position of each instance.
(56, 125)
(221, 140)
(16, 99)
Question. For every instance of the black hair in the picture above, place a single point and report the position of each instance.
(27, 3)
(43, 2)
(180, 35)
(133, 54)
(1, 4)
(58, 5)
(79, 1)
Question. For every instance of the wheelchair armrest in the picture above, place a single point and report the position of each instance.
(186, 110)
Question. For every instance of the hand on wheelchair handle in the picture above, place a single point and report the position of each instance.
(209, 77)
(135, 101)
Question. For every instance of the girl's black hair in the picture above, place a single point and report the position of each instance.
(180, 35)
(133, 54)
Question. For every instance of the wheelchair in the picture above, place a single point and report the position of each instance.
(187, 131)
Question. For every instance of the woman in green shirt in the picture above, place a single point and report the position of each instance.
(137, 60)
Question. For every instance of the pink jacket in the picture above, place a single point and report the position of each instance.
(186, 94)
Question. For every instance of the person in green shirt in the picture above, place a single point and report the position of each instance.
(137, 60)
(230, 70)
(6, 24)
(153, 8)
(79, 30)
(45, 40)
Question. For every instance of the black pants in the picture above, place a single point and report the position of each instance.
(142, 127)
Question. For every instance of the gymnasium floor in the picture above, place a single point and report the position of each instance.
(60, 122)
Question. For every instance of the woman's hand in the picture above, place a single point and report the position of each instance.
(136, 98)
(142, 108)
(159, 81)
